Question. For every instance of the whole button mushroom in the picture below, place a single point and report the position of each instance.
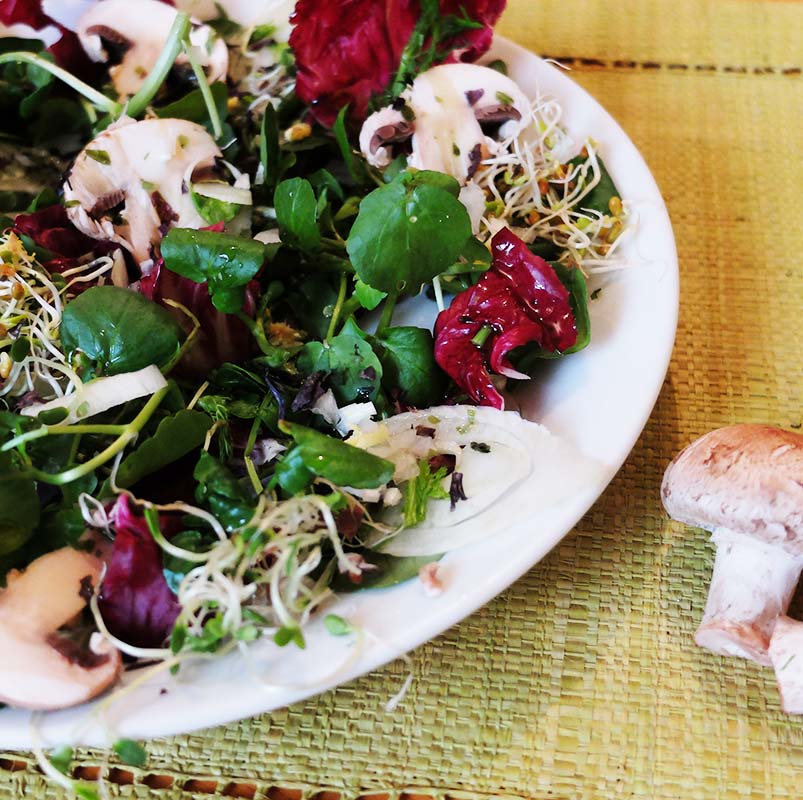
(42, 666)
(745, 484)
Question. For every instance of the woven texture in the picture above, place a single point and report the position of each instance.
(582, 680)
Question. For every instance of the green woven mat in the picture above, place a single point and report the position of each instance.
(582, 680)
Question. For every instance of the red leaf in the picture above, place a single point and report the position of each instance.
(518, 301)
(135, 601)
(348, 51)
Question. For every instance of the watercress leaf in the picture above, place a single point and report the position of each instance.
(354, 370)
(368, 298)
(119, 330)
(175, 436)
(225, 263)
(222, 493)
(337, 461)
(391, 571)
(409, 367)
(428, 177)
(291, 472)
(296, 213)
(407, 233)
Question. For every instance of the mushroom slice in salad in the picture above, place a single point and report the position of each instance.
(450, 119)
(45, 664)
(136, 180)
(132, 33)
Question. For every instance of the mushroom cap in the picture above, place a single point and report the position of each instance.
(141, 27)
(449, 105)
(745, 478)
(144, 168)
(39, 668)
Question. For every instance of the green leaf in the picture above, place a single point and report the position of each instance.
(337, 626)
(19, 506)
(130, 752)
(222, 493)
(175, 568)
(212, 210)
(354, 370)
(292, 474)
(61, 758)
(225, 263)
(296, 214)
(285, 635)
(119, 330)
(419, 490)
(193, 108)
(337, 461)
(391, 571)
(356, 168)
(368, 298)
(407, 233)
(323, 181)
(176, 436)
(408, 364)
(599, 198)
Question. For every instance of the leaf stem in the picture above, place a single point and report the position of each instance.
(179, 32)
(206, 91)
(54, 430)
(338, 309)
(93, 95)
(127, 435)
(387, 311)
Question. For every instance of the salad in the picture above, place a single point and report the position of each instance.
(210, 422)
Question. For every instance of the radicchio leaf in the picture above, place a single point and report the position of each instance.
(349, 51)
(519, 300)
(135, 600)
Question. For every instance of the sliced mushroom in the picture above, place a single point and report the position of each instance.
(41, 668)
(131, 183)
(745, 484)
(457, 114)
(134, 32)
(245, 13)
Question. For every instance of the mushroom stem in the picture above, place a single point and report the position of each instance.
(786, 655)
(752, 585)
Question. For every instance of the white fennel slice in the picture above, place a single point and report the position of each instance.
(102, 394)
(526, 471)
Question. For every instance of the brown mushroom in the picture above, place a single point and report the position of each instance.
(43, 667)
(786, 654)
(745, 484)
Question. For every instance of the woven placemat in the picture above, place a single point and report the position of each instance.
(582, 680)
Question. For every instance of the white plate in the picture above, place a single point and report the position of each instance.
(600, 399)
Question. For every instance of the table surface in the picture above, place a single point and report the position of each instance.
(582, 680)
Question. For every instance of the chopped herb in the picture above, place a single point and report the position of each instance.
(337, 626)
(481, 447)
(419, 490)
(455, 150)
(596, 293)
(504, 98)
